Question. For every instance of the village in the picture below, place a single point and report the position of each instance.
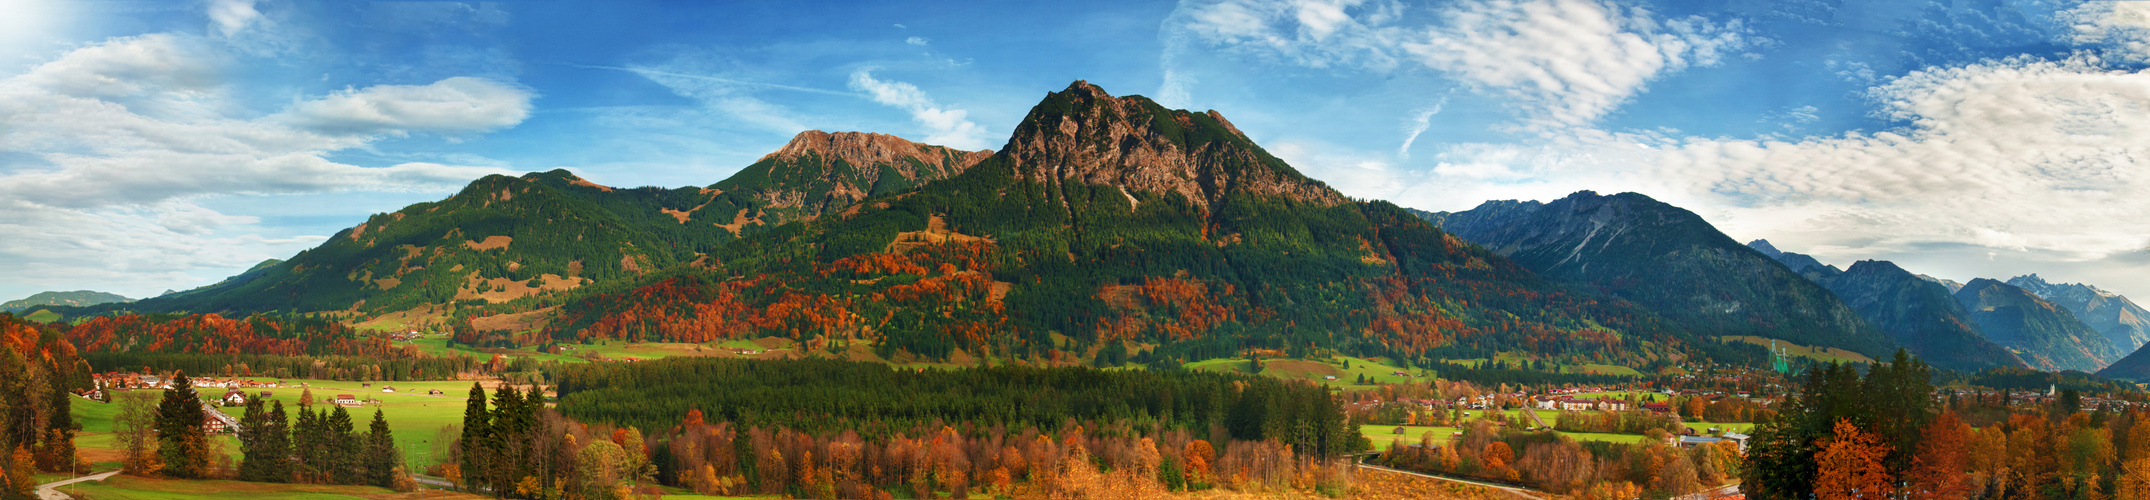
(236, 392)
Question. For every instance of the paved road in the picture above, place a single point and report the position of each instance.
(1530, 494)
(51, 491)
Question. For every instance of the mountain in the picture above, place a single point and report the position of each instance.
(1952, 285)
(1671, 261)
(1112, 227)
(2112, 314)
(503, 239)
(1913, 310)
(2042, 333)
(1919, 314)
(74, 298)
(1799, 263)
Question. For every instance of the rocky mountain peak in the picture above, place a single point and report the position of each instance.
(1083, 134)
(866, 148)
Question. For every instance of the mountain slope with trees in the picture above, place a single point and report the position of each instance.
(1111, 223)
(528, 239)
(2044, 334)
(1670, 260)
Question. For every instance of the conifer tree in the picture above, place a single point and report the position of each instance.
(308, 447)
(276, 445)
(477, 430)
(343, 445)
(380, 457)
(182, 444)
(252, 433)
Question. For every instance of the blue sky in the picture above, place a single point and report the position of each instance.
(147, 146)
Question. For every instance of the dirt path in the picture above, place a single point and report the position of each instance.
(51, 491)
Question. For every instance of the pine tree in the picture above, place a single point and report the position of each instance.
(477, 431)
(508, 441)
(343, 445)
(183, 446)
(253, 429)
(276, 445)
(306, 446)
(380, 458)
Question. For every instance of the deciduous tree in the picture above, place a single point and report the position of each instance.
(1850, 466)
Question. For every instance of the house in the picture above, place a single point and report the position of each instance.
(388, 389)
(234, 397)
(346, 400)
(217, 422)
(1738, 438)
(1693, 441)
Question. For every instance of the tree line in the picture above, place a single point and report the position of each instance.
(39, 372)
(322, 447)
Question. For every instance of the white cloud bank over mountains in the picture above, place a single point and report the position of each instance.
(108, 146)
(2043, 164)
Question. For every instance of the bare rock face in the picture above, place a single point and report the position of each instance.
(862, 149)
(820, 172)
(1085, 135)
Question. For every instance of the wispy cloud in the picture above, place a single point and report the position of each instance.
(946, 126)
(116, 141)
(1562, 63)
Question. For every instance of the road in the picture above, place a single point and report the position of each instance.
(1530, 494)
(51, 491)
(1534, 417)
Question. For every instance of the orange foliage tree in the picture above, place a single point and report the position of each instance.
(1937, 470)
(1850, 465)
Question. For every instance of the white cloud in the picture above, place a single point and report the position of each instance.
(1567, 62)
(948, 127)
(2041, 163)
(1313, 33)
(232, 16)
(111, 144)
(917, 40)
(457, 104)
(2121, 28)
(1562, 63)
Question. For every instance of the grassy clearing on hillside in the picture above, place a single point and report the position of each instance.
(1346, 369)
(138, 488)
(1823, 354)
(43, 316)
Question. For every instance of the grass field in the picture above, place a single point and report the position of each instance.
(413, 416)
(43, 316)
(1376, 372)
(1823, 354)
(1704, 427)
(1381, 435)
(137, 488)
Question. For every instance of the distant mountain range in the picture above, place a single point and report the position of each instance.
(2119, 319)
(1670, 260)
(74, 298)
(1965, 324)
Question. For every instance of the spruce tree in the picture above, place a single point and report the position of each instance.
(343, 446)
(276, 445)
(253, 425)
(380, 458)
(183, 445)
(307, 446)
(477, 430)
(508, 441)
